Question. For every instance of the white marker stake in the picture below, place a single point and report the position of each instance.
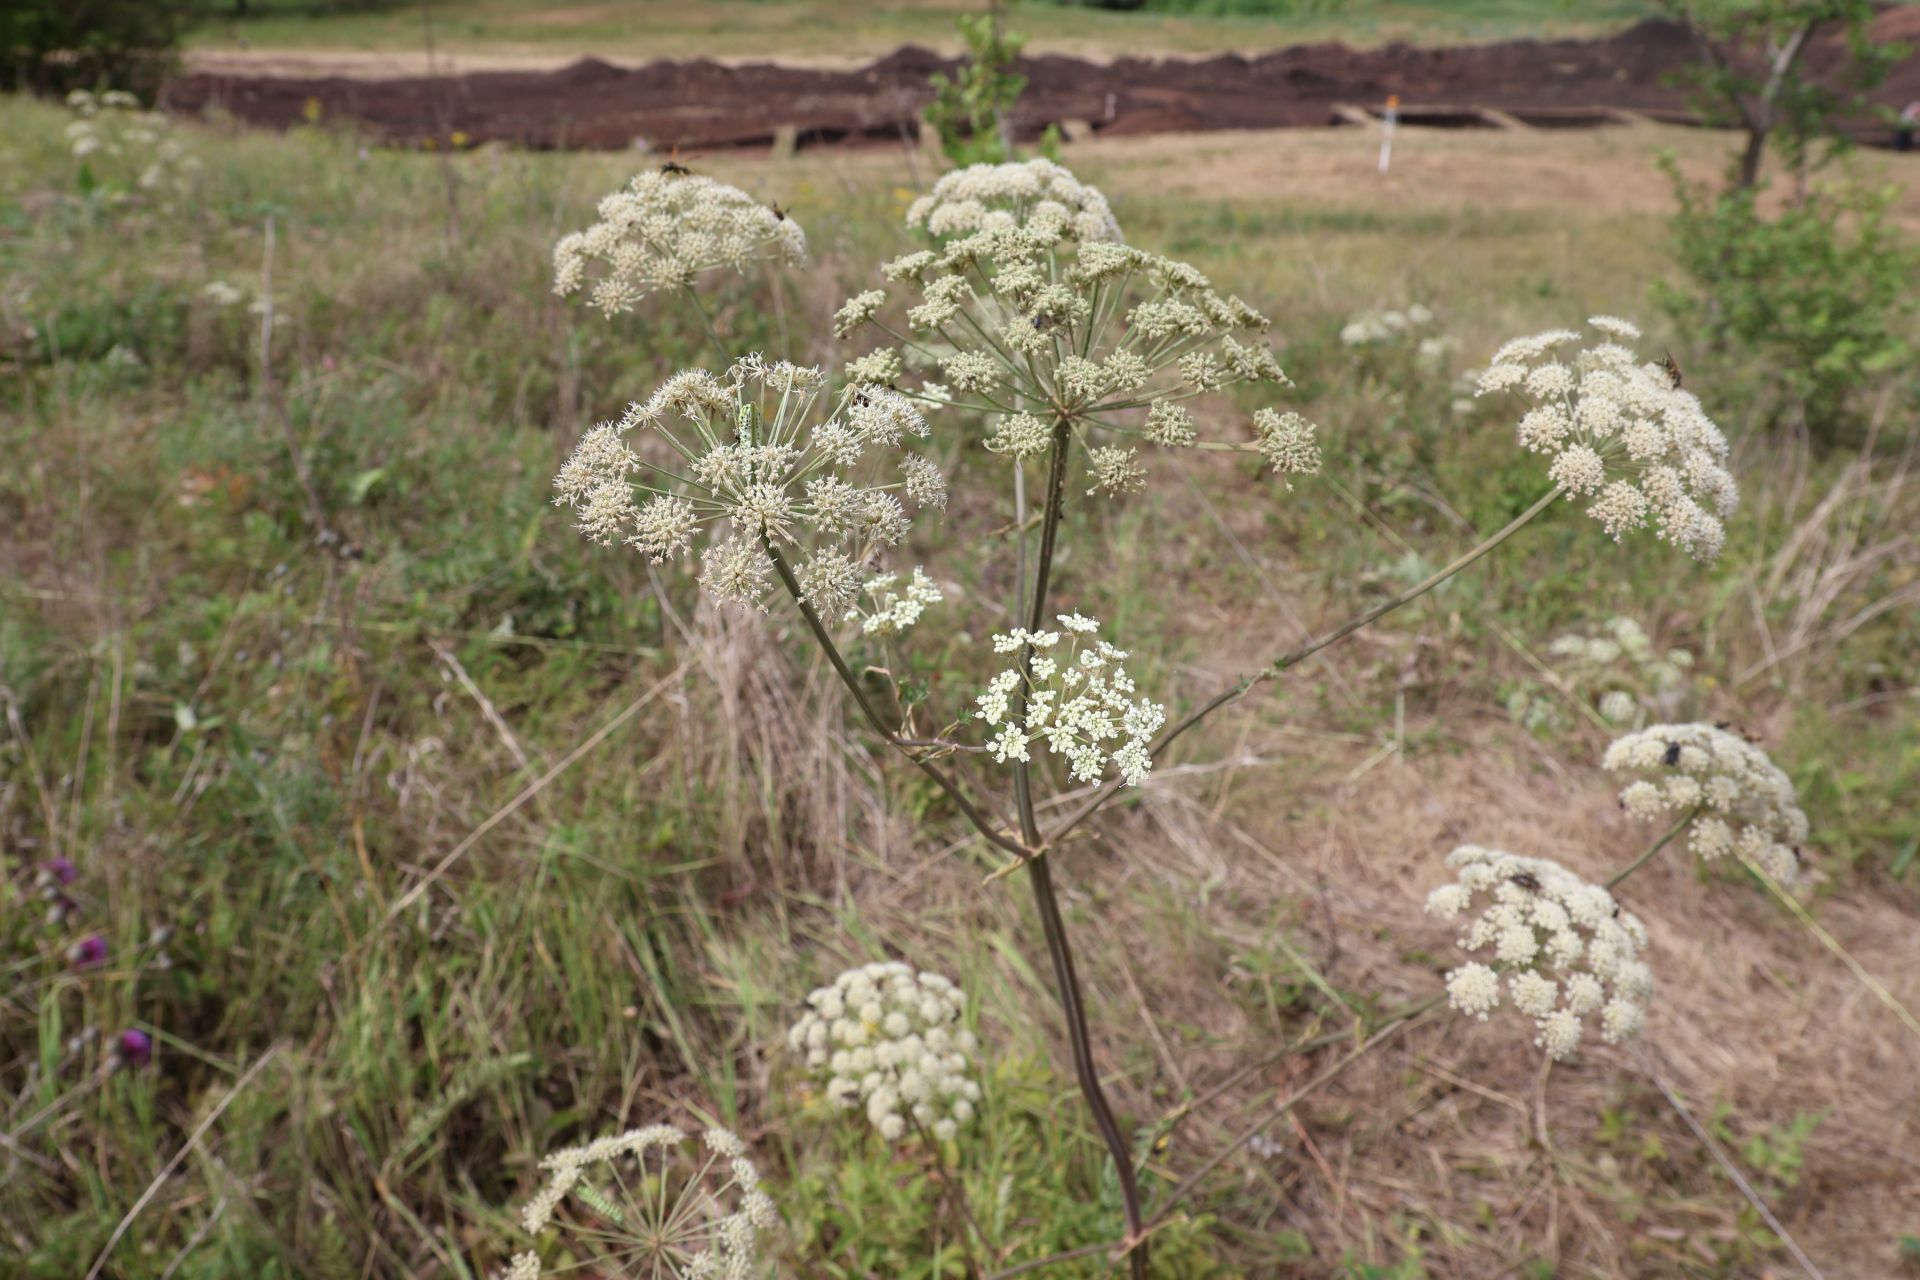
(1386, 135)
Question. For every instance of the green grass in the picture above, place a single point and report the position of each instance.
(839, 29)
(255, 742)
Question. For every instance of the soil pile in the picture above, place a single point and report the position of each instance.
(702, 104)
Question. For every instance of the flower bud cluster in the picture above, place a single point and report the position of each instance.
(1622, 433)
(699, 1219)
(1566, 949)
(751, 450)
(1076, 701)
(665, 228)
(1740, 800)
(994, 197)
(888, 1040)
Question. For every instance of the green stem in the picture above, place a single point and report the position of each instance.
(1641, 861)
(1046, 901)
(1241, 687)
(706, 322)
(993, 831)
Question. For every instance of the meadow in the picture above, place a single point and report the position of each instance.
(423, 837)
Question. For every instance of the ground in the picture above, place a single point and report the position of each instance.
(491, 838)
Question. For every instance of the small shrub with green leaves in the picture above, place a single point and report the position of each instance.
(1030, 337)
(969, 109)
(1818, 299)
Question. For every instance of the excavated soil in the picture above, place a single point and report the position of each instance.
(703, 104)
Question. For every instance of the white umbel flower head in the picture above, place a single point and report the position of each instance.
(887, 609)
(887, 1041)
(1740, 801)
(1049, 330)
(757, 457)
(664, 229)
(1620, 435)
(646, 1205)
(1565, 946)
(1079, 702)
(992, 197)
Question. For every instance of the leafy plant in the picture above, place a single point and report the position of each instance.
(1817, 298)
(970, 110)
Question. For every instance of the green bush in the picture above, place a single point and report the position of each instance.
(1819, 296)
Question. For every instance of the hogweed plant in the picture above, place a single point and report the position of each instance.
(1028, 329)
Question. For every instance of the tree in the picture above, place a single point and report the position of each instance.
(1752, 74)
(970, 111)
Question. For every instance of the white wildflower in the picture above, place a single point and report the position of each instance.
(664, 229)
(888, 1040)
(1621, 435)
(1738, 799)
(638, 1200)
(1079, 703)
(1564, 944)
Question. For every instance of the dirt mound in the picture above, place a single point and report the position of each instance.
(704, 104)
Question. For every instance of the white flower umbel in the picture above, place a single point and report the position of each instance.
(1740, 800)
(888, 610)
(1617, 662)
(754, 451)
(1078, 703)
(665, 228)
(1566, 948)
(1025, 322)
(128, 150)
(1370, 328)
(1621, 435)
(887, 1040)
(643, 1204)
(993, 197)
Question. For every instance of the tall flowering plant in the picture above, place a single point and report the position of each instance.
(1027, 328)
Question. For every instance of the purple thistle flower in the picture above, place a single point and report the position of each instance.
(58, 871)
(88, 953)
(133, 1048)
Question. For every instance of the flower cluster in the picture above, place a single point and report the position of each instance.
(888, 611)
(666, 227)
(113, 133)
(889, 1039)
(1026, 319)
(1372, 327)
(1622, 433)
(1566, 948)
(1078, 702)
(750, 449)
(1740, 800)
(697, 1220)
(1615, 669)
(994, 197)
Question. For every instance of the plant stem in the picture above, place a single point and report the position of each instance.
(1241, 687)
(706, 322)
(993, 831)
(953, 1193)
(1047, 903)
(1655, 847)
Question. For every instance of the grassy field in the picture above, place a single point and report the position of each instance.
(469, 840)
(836, 30)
